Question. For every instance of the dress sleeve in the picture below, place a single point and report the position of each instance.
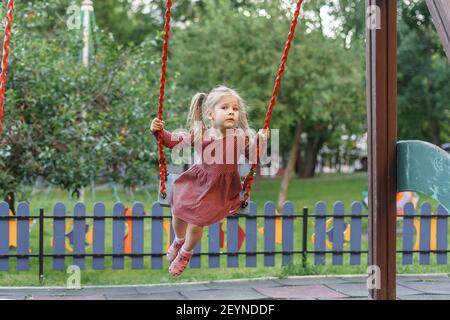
(176, 140)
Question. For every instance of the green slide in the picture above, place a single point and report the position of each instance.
(424, 167)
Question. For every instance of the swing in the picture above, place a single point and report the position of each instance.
(167, 178)
(8, 27)
(173, 173)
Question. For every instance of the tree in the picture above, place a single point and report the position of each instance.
(71, 125)
(424, 74)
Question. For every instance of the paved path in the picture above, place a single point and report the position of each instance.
(409, 287)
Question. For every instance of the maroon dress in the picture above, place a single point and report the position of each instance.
(209, 191)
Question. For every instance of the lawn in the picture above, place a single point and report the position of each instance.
(303, 193)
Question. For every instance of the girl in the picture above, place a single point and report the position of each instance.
(208, 191)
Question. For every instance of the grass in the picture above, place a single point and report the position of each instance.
(302, 193)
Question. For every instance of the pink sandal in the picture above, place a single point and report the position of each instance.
(173, 249)
(180, 263)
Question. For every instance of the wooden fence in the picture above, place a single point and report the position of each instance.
(322, 233)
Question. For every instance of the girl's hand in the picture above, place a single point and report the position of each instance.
(264, 133)
(156, 125)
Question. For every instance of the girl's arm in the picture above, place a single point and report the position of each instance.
(175, 140)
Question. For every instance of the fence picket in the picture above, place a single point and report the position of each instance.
(287, 232)
(172, 232)
(23, 236)
(98, 263)
(79, 234)
(137, 241)
(355, 234)
(269, 234)
(232, 242)
(338, 232)
(250, 236)
(59, 235)
(214, 245)
(320, 233)
(408, 232)
(425, 228)
(196, 260)
(4, 236)
(441, 234)
(118, 235)
(157, 236)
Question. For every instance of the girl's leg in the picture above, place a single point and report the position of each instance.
(179, 227)
(193, 235)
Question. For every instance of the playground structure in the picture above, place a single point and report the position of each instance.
(393, 166)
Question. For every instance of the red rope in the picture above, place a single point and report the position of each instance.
(9, 19)
(249, 179)
(162, 157)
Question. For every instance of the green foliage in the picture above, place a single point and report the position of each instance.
(423, 69)
(424, 74)
(322, 84)
(70, 124)
(131, 22)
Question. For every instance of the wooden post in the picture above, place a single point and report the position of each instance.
(381, 59)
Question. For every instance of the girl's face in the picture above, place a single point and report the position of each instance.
(225, 114)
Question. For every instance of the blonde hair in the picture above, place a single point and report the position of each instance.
(203, 102)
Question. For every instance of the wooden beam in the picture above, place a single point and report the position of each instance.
(440, 12)
(381, 66)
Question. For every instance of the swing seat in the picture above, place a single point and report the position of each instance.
(174, 173)
(244, 169)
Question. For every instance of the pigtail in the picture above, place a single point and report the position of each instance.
(196, 110)
(195, 117)
(243, 120)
